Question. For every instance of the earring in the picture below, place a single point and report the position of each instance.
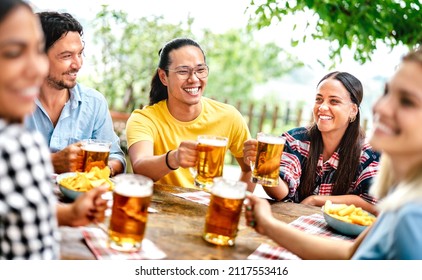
(352, 119)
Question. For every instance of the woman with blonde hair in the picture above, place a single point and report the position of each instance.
(398, 185)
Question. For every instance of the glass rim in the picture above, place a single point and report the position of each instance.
(278, 139)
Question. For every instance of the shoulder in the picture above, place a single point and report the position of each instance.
(369, 153)
(214, 106)
(298, 133)
(15, 138)
(411, 209)
(408, 224)
(151, 109)
(148, 113)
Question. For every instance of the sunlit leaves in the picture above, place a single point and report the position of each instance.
(353, 24)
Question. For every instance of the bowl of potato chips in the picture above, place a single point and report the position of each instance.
(347, 219)
(73, 184)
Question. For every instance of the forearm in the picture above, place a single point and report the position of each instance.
(155, 167)
(57, 163)
(116, 167)
(245, 176)
(279, 192)
(64, 214)
(308, 246)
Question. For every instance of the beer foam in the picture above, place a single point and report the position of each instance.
(213, 142)
(229, 189)
(133, 189)
(271, 139)
(95, 148)
(229, 193)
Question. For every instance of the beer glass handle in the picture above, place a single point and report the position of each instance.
(252, 164)
(193, 171)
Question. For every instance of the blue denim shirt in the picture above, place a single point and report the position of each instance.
(84, 116)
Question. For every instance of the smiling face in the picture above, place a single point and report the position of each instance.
(398, 115)
(23, 64)
(184, 92)
(333, 107)
(65, 57)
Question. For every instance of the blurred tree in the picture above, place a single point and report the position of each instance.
(356, 24)
(238, 63)
(129, 57)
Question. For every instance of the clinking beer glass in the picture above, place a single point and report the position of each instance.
(224, 210)
(211, 153)
(131, 198)
(95, 153)
(265, 169)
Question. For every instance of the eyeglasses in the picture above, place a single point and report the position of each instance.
(184, 72)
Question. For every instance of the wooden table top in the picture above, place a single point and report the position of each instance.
(178, 226)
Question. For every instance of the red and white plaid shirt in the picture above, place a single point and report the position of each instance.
(295, 154)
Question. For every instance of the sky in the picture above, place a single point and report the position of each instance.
(222, 15)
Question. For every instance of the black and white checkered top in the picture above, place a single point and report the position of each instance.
(28, 224)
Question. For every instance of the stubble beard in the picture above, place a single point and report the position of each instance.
(59, 84)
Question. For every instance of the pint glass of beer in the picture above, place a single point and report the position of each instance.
(224, 211)
(265, 170)
(131, 198)
(95, 153)
(211, 153)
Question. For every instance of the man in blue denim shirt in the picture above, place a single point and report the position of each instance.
(68, 112)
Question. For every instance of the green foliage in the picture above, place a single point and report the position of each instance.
(128, 57)
(237, 63)
(355, 24)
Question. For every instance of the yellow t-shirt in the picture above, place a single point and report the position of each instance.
(156, 124)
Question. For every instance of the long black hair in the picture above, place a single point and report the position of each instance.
(158, 91)
(349, 149)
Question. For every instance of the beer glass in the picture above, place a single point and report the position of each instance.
(95, 153)
(211, 153)
(131, 198)
(224, 211)
(265, 169)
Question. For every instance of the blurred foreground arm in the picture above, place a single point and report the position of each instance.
(87, 208)
(258, 215)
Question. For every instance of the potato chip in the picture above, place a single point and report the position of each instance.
(85, 181)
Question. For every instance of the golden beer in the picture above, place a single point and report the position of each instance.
(267, 162)
(224, 210)
(95, 153)
(211, 153)
(131, 199)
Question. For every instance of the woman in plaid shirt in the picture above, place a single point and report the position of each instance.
(396, 234)
(329, 160)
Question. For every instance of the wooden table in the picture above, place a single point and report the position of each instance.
(177, 229)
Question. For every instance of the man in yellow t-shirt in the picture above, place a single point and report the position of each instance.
(162, 136)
